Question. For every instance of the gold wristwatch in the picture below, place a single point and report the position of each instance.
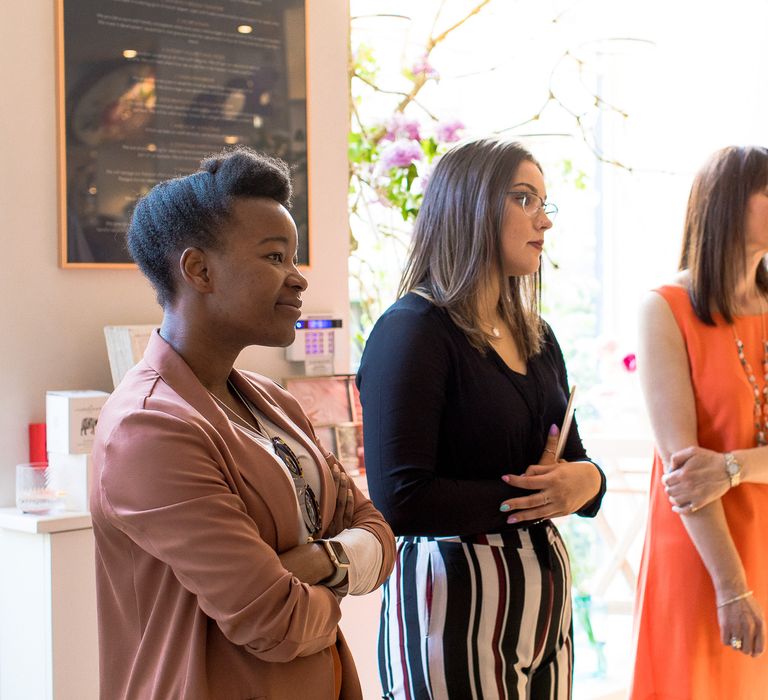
(732, 469)
(339, 558)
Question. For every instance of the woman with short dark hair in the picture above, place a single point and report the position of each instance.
(703, 363)
(225, 533)
(463, 386)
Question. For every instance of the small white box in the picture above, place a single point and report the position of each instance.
(70, 420)
(71, 478)
(125, 347)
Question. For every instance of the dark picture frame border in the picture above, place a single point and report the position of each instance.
(305, 257)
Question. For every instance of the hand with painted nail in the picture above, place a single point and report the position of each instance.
(560, 488)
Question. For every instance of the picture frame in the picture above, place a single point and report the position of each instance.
(327, 400)
(332, 404)
(327, 437)
(144, 94)
(349, 445)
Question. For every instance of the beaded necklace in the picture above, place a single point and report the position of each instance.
(761, 398)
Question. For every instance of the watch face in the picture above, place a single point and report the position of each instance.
(338, 550)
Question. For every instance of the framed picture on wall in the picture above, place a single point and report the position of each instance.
(328, 400)
(145, 91)
(332, 404)
(349, 445)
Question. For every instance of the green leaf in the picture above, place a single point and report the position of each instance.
(429, 146)
(411, 175)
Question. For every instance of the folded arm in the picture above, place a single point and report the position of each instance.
(164, 487)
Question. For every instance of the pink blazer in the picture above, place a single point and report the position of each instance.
(188, 516)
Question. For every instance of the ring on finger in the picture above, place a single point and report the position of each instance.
(735, 643)
(552, 452)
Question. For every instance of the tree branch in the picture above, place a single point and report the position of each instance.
(420, 80)
(408, 95)
(440, 37)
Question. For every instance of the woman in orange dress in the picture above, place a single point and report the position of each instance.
(703, 585)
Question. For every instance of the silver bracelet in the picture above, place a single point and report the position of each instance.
(734, 599)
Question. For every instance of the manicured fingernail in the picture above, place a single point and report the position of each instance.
(511, 519)
(504, 508)
(505, 478)
(553, 430)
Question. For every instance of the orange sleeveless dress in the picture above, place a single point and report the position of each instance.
(679, 655)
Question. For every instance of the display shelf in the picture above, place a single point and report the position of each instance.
(65, 521)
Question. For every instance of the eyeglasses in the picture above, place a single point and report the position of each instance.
(305, 494)
(532, 204)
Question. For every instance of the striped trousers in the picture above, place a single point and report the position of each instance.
(478, 618)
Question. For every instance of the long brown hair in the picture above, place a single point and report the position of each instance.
(714, 238)
(456, 246)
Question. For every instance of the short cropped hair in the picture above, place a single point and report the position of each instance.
(189, 211)
(714, 237)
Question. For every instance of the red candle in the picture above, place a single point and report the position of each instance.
(37, 447)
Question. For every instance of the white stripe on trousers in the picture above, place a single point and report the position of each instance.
(415, 669)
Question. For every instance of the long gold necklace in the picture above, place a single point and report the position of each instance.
(236, 418)
(761, 397)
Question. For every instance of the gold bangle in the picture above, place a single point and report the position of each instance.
(734, 599)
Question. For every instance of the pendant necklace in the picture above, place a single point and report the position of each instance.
(761, 398)
(235, 417)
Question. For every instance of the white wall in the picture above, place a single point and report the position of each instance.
(52, 319)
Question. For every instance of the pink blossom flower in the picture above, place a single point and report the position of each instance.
(630, 362)
(422, 66)
(448, 131)
(399, 126)
(400, 154)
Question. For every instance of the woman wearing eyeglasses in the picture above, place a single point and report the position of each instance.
(225, 533)
(463, 389)
(703, 585)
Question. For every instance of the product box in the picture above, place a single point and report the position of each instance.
(125, 347)
(71, 418)
(71, 477)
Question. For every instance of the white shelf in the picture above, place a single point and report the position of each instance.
(14, 519)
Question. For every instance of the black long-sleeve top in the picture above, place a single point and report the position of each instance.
(444, 421)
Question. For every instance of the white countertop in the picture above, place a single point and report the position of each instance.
(14, 519)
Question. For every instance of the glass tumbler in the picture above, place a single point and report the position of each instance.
(36, 490)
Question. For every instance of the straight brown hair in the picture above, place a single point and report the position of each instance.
(714, 238)
(456, 246)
